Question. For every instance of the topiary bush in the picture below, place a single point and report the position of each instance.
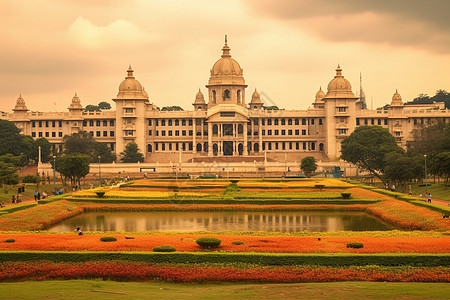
(346, 195)
(238, 243)
(100, 193)
(234, 181)
(164, 249)
(129, 237)
(108, 239)
(9, 241)
(208, 243)
(355, 245)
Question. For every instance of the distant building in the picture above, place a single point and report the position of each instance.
(225, 127)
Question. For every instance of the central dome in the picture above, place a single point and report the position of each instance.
(226, 70)
(339, 87)
(130, 88)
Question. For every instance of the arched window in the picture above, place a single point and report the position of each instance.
(240, 129)
(170, 122)
(297, 122)
(199, 147)
(275, 121)
(320, 147)
(149, 148)
(289, 121)
(303, 121)
(241, 149)
(226, 94)
(255, 107)
(239, 96)
(283, 122)
(215, 149)
(214, 96)
(215, 129)
(313, 146)
(163, 122)
(256, 147)
(205, 147)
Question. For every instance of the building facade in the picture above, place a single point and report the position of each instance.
(225, 127)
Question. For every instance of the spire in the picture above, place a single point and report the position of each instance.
(226, 49)
(130, 72)
(338, 71)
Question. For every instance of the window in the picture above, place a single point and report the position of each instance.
(297, 122)
(149, 132)
(105, 133)
(111, 133)
(277, 131)
(170, 122)
(263, 132)
(163, 147)
(163, 122)
(304, 146)
(269, 132)
(149, 122)
(320, 122)
(59, 134)
(157, 133)
(227, 114)
(163, 133)
(47, 134)
(177, 133)
(53, 134)
(97, 123)
(127, 132)
(111, 123)
(33, 123)
(177, 122)
(357, 121)
(269, 146)
(290, 132)
(46, 123)
(283, 132)
(128, 110)
(269, 121)
(40, 123)
(372, 121)
(226, 94)
(53, 124)
(297, 132)
(112, 147)
(40, 134)
(276, 146)
(190, 146)
(170, 146)
(385, 121)
(190, 122)
(283, 146)
(263, 121)
(289, 121)
(105, 123)
(297, 146)
(170, 132)
(156, 146)
(342, 109)
(84, 123)
(191, 132)
(183, 147)
(312, 121)
(275, 122)
(303, 131)
(255, 122)
(33, 134)
(98, 133)
(303, 121)
(183, 122)
(313, 146)
(156, 124)
(342, 131)
(91, 122)
(255, 133)
(366, 121)
(183, 132)
(283, 122)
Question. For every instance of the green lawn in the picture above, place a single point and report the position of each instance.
(97, 289)
(438, 191)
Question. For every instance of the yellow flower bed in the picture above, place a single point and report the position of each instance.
(327, 182)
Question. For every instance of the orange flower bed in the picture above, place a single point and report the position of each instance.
(186, 242)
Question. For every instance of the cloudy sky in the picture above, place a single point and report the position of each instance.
(51, 49)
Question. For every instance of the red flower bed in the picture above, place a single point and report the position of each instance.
(186, 242)
(135, 271)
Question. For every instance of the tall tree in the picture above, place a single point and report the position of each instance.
(102, 150)
(440, 165)
(308, 165)
(131, 154)
(402, 169)
(367, 146)
(104, 105)
(91, 107)
(10, 139)
(46, 149)
(8, 174)
(73, 166)
(80, 142)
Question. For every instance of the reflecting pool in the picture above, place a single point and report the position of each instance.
(290, 221)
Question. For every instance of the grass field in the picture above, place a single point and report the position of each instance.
(438, 191)
(97, 289)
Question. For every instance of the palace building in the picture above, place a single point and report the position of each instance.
(225, 124)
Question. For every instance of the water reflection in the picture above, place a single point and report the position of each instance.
(222, 221)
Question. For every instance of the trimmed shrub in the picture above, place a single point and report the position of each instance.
(355, 245)
(164, 249)
(238, 243)
(9, 241)
(129, 237)
(320, 186)
(108, 239)
(208, 243)
(234, 181)
(100, 193)
(346, 195)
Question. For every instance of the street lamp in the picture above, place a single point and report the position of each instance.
(99, 170)
(426, 174)
(54, 172)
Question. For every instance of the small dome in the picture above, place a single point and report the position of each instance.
(319, 95)
(199, 98)
(76, 103)
(339, 87)
(20, 104)
(226, 70)
(396, 99)
(256, 98)
(130, 88)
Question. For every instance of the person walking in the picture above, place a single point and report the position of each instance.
(35, 195)
(429, 197)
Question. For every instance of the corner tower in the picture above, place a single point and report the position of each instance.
(226, 83)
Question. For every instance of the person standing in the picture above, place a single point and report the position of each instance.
(35, 195)
(429, 197)
(13, 199)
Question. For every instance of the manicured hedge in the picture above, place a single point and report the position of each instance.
(17, 207)
(338, 259)
(439, 208)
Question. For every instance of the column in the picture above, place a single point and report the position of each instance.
(245, 138)
(260, 133)
(194, 136)
(210, 152)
